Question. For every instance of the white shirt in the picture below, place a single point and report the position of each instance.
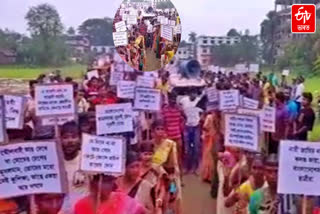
(299, 92)
(78, 185)
(185, 102)
(193, 116)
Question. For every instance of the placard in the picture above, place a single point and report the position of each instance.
(120, 39)
(166, 32)
(178, 29)
(250, 103)
(147, 99)
(115, 77)
(114, 118)
(92, 74)
(30, 168)
(14, 111)
(286, 72)
(153, 74)
(268, 119)
(242, 131)
(132, 20)
(172, 23)
(60, 120)
(299, 171)
(125, 89)
(121, 26)
(147, 82)
(229, 99)
(103, 154)
(212, 94)
(159, 18)
(54, 100)
(2, 121)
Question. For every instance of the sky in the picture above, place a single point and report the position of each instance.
(205, 17)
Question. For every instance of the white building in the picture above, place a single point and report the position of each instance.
(186, 52)
(204, 46)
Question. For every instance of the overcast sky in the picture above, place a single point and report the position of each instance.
(208, 17)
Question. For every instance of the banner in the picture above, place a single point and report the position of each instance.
(54, 100)
(229, 99)
(14, 111)
(299, 171)
(120, 38)
(30, 168)
(103, 154)
(114, 118)
(242, 131)
(2, 121)
(146, 82)
(286, 72)
(115, 77)
(147, 99)
(212, 94)
(132, 20)
(60, 120)
(250, 103)
(92, 74)
(268, 119)
(125, 89)
(166, 32)
(121, 26)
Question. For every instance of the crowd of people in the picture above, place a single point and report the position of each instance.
(184, 137)
(147, 48)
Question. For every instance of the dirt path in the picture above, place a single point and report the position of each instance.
(152, 63)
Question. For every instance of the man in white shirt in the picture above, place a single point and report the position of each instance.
(299, 91)
(192, 131)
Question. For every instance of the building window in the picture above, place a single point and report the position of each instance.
(212, 42)
(95, 50)
(179, 52)
(228, 42)
(220, 42)
(204, 51)
(205, 41)
(185, 52)
(204, 61)
(103, 50)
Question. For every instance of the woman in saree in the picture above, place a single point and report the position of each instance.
(132, 53)
(211, 129)
(134, 185)
(165, 155)
(104, 200)
(155, 175)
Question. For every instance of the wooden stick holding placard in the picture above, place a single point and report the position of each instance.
(305, 205)
(98, 202)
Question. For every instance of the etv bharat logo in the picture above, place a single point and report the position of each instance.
(303, 18)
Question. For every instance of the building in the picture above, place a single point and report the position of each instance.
(185, 52)
(205, 44)
(79, 44)
(282, 31)
(7, 57)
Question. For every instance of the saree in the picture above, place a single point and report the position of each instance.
(119, 203)
(166, 154)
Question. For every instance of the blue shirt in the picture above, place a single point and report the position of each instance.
(292, 109)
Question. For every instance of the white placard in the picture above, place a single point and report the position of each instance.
(128, 68)
(54, 100)
(30, 168)
(120, 38)
(212, 94)
(299, 161)
(121, 26)
(125, 89)
(2, 121)
(268, 119)
(286, 72)
(250, 103)
(114, 118)
(132, 20)
(177, 29)
(121, 12)
(147, 82)
(159, 18)
(242, 131)
(103, 154)
(14, 111)
(153, 74)
(115, 77)
(125, 17)
(164, 21)
(147, 99)
(229, 99)
(254, 68)
(166, 32)
(92, 74)
(51, 121)
(172, 23)
(252, 112)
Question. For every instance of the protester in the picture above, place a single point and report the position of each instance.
(299, 90)
(49, 203)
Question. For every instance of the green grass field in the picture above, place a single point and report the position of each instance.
(21, 72)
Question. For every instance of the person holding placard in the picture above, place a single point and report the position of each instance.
(49, 203)
(134, 185)
(77, 181)
(103, 199)
(266, 200)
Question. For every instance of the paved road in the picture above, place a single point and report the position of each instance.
(196, 197)
(152, 63)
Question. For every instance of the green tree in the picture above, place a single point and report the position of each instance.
(98, 30)
(71, 31)
(233, 32)
(9, 39)
(165, 5)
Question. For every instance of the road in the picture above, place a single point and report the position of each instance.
(196, 197)
(152, 63)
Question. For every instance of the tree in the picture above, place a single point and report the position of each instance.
(233, 32)
(9, 39)
(71, 31)
(98, 30)
(44, 20)
(192, 37)
(165, 5)
(183, 43)
(267, 33)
